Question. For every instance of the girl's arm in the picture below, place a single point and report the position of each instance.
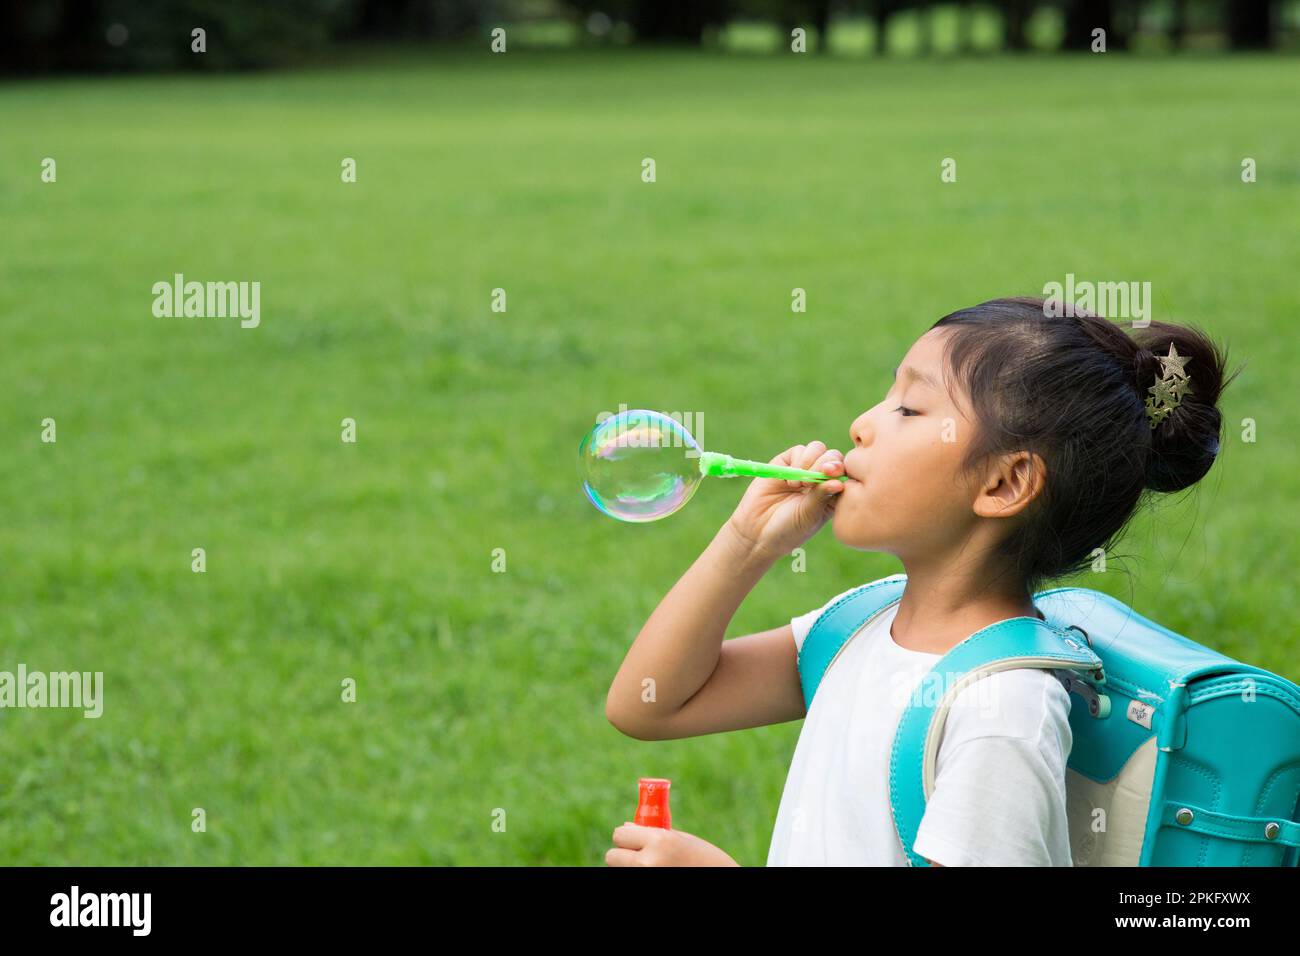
(680, 678)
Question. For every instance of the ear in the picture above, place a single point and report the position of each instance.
(1012, 481)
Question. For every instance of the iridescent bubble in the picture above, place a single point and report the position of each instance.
(639, 465)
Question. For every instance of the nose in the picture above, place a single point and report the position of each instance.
(861, 431)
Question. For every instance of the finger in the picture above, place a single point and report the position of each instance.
(831, 462)
(827, 489)
(617, 857)
(631, 836)
(794, 455)
(811, 452)
(786, 456)
(805, 460)
(835, 481)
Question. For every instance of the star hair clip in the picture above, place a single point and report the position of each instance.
(1170, 387)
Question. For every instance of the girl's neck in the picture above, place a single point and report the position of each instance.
(940, 610)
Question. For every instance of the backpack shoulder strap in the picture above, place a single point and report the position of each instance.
(839, 622)
(1014, 643)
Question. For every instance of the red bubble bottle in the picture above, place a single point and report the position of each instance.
(652, 804)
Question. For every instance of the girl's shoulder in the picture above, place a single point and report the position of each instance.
(1029, 703)
(802, 623)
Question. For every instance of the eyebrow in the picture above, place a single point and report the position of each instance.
(912, 373)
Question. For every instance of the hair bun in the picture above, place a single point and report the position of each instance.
(1146, 368)
(1185, 444)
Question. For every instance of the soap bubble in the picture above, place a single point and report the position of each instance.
(639, 465)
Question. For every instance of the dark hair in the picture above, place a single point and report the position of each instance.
(1072, 389)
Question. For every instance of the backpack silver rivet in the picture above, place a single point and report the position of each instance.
(1271, 831)
(1183, 816)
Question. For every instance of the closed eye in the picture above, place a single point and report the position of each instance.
(907, 412)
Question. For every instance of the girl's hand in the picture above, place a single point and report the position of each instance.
(654, 846)
(776, 516)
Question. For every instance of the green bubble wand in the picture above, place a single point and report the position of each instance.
(640, 466)
(718, 465)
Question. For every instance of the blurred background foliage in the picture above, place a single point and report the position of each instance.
(87, 35)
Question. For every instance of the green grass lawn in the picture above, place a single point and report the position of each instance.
(373, 561)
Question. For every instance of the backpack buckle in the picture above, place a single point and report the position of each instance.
(1098, 704)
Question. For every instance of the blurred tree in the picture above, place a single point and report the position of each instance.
(1250, 24)
(156, 34)
(429, 19)
(677, 21)
(1178, 24)
(1082, 17)
(668, 21)
(812, 15)
(881, 11)
(1015, 15)
(44, 35)
(965, 19)
(924, 27)
(820, 14)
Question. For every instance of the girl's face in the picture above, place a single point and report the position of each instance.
(905, 494)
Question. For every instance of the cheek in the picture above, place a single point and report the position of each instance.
(913, 485)
(925, 472)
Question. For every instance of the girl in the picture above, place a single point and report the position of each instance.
(1012, 442)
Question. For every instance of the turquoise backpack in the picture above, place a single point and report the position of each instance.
(1192, 758)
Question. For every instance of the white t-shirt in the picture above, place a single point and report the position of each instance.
(999, 791)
